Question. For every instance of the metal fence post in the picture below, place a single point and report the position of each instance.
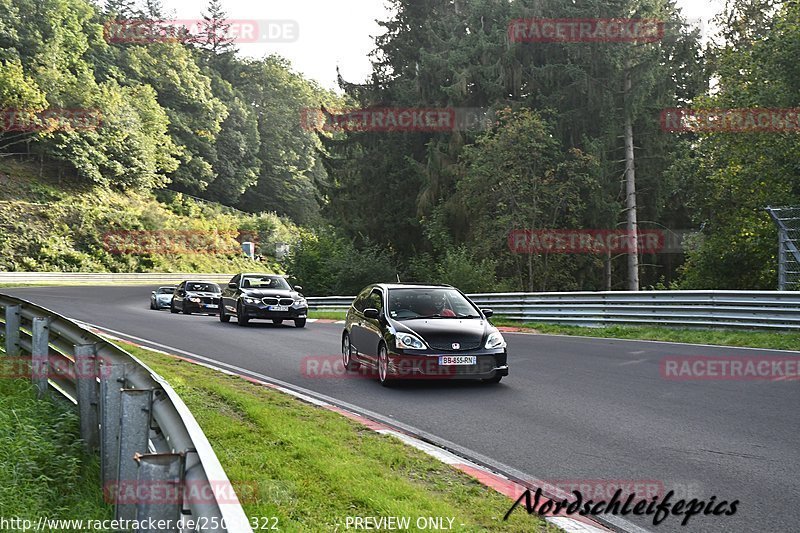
(160, 474)
(134, 433)
(40, 354)
(12, 330)
(88, 394)
(782, 282)
(112, 380)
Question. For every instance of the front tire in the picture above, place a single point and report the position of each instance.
(152, 305)
(277, 321)
(241, 318)
(347, 354)
(299, 322)
(383, 366)
(172, 308)
(224, 318)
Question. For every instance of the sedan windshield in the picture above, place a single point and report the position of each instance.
(430, 303)
(166, 290)
(265, 282)
(202, 287)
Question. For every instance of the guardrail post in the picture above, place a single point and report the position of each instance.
(12, 330)
(160, 475)
(88, 394)
(112, 380)
(40, 354)
(134, 433)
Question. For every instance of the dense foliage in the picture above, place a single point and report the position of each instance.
(196, 117)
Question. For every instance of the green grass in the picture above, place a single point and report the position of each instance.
(329, 315)
(44, 470)
(312, 468)
(722, 337)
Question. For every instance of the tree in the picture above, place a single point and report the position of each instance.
(216, 29)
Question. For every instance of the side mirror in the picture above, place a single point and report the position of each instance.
(487, 312)
(298, 288)
(371, 313)
(232, 286)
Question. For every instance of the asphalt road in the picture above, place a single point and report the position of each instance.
(572, 409)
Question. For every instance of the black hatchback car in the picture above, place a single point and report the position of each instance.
(406, 331)
(263, 296)
(195, 297)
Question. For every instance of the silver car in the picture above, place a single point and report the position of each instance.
(161, 297)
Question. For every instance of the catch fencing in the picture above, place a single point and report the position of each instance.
(771, 310)
(145, 434)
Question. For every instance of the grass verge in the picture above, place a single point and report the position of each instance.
(327, 315)
(312, 468)
(44, 471)
(722, 337)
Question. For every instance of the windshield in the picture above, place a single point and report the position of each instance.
(202, 287)
(430, 303)
(265, 282)
(166, 290)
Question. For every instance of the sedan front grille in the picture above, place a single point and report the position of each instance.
(448, 346)
(277, 301)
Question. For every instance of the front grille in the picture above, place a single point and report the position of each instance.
(448, 346)
(208, 300)
(277, 301)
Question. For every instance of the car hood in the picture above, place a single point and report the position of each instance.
(266, 293)
(446, 330)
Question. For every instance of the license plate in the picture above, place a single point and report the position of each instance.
(211, 306)
(449, 360)
(278, 308)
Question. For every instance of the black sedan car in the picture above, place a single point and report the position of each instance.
(196, 297)
(406, 331)
(266, 296)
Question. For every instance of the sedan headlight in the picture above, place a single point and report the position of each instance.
(249, 300)
(194, 299)
(407, 341)
(495, 340)
(300, 302)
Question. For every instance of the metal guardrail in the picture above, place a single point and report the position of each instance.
(153, 453)
(90, 277)
(731, 309)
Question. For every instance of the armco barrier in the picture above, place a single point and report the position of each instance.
(144, 432)
(777, 310)
(105, 277)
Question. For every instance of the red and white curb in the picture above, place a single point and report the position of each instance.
(493, 480)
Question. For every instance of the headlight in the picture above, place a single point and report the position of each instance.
(249, 300)
(408, 341)
(300, 303)
(194, 299)
(495, 340)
